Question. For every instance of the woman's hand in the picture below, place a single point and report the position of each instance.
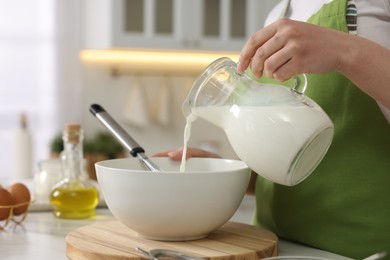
(287, 48)
(191, 152)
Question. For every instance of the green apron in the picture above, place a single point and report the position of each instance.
(344, 206)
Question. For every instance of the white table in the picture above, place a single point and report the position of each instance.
(42, 236)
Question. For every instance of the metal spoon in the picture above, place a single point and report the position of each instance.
(145, 253)
(155, 253)
(122, 136)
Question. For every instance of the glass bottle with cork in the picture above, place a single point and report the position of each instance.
(73, 197)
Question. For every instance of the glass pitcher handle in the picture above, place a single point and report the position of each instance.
(300, 84)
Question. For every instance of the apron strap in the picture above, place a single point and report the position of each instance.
(351, 15)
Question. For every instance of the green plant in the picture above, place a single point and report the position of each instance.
(105, 143)
(57, 145)
(102, 142)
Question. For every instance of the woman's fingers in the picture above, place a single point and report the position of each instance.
(266, 59)
(177, 154)
(284, 63)
(286, 48)
(172, 154)
(252, 45)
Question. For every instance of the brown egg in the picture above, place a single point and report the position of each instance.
(20, 194)
(5, 200)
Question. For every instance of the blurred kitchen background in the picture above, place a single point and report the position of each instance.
(136, 58)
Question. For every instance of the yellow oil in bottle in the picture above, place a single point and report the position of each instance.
(74, 200)
(73, 197)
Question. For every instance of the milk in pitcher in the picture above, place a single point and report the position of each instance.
(280, 133)
(275, 141)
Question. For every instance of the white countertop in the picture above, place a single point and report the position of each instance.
(42, 236)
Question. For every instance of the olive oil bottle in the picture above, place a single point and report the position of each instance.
(73, 198)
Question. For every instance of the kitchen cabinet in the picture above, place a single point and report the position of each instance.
(222, 25)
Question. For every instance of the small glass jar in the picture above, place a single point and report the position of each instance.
(49, 174)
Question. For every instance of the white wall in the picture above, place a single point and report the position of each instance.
(27, 78)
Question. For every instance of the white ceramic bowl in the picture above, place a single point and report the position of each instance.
(170, 205)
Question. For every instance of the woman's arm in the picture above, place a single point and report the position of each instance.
(368, 66)
(287, 48)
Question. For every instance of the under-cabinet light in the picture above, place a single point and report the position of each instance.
(153, 61)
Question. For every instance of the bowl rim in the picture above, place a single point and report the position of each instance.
(240, 165)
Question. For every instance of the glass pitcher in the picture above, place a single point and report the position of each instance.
(278, 132)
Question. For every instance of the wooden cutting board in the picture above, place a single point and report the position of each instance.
(113, 240)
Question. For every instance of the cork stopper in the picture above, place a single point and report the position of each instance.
(23, 121)
(73, 132)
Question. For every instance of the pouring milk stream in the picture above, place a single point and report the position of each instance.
(278, 132)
